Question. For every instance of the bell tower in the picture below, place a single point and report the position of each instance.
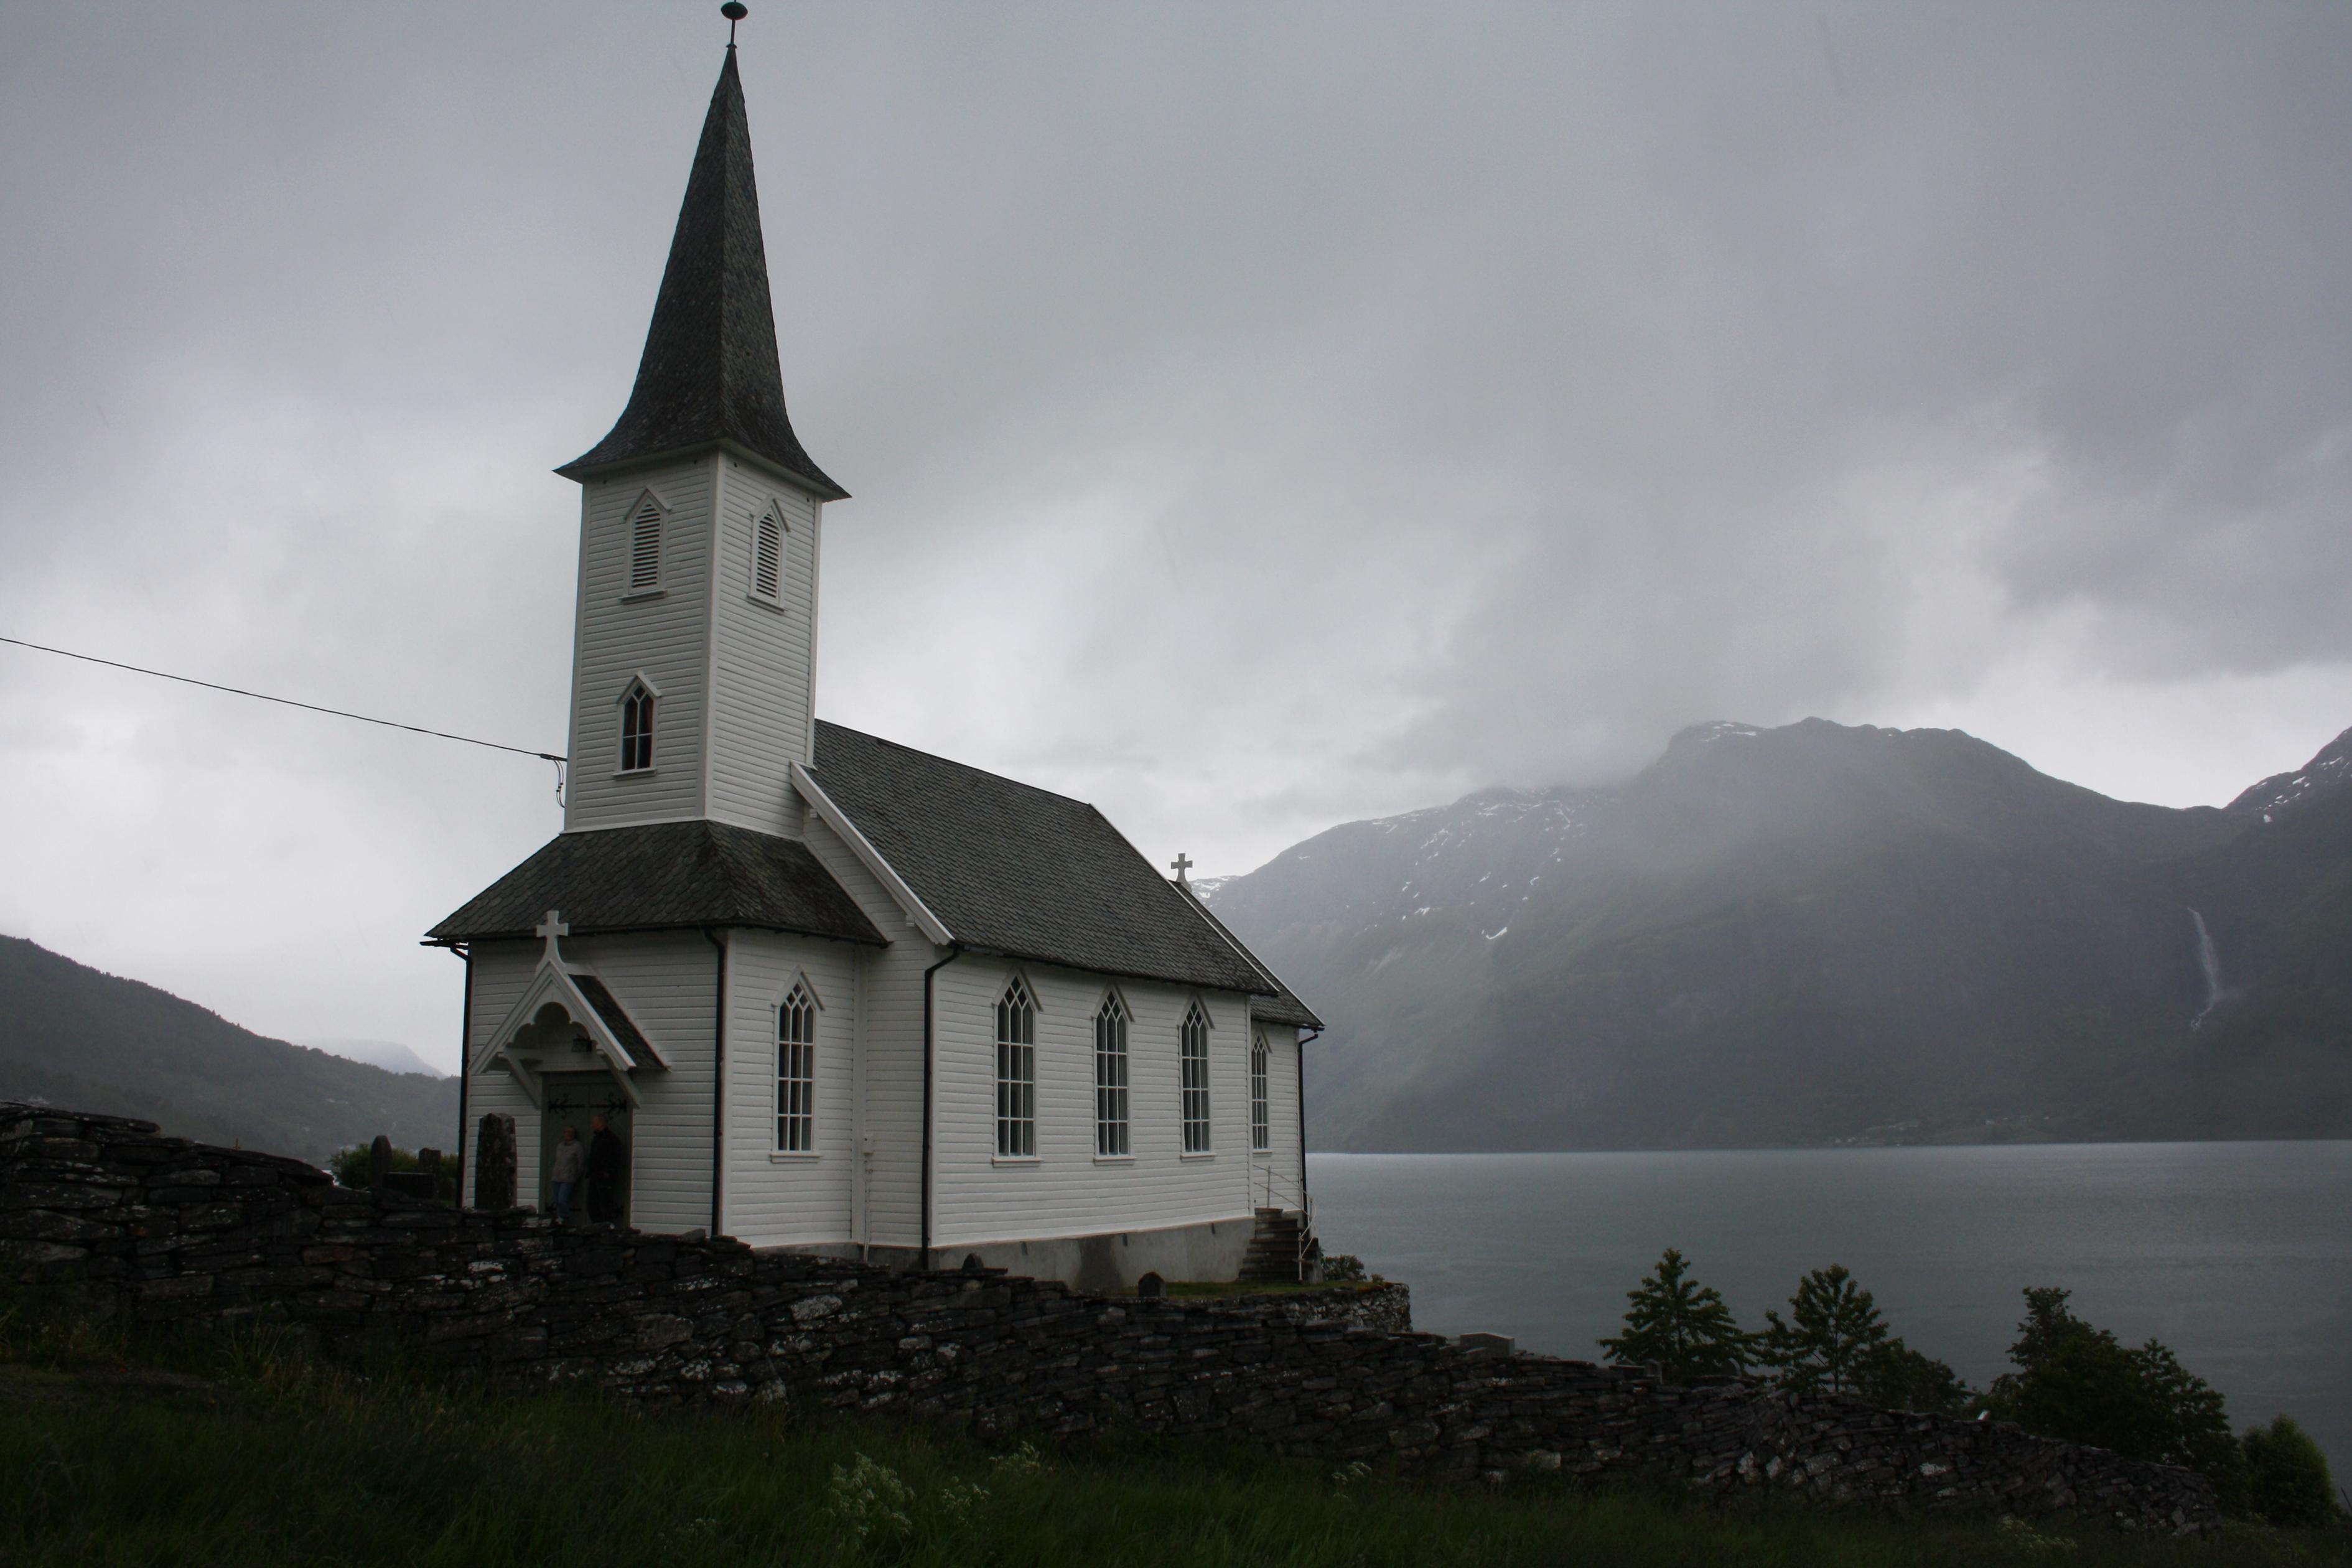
(694, 654)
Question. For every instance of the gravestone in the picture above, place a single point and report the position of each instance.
(1151, 1286)
(428, 1163)
(494, 1164)
(379, 1163)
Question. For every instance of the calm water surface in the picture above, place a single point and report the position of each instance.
(2237, 1256)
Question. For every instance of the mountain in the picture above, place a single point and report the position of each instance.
(1822, 933)
(72, 1036)
(389, 1055)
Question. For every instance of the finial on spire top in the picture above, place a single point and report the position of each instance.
(734, 11)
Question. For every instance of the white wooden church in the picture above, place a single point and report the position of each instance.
(834, 992)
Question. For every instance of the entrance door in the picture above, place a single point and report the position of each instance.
(573, 1098)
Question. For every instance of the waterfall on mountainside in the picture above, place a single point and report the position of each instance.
(2209, 957)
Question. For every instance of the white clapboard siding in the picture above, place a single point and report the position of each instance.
(1282, 1157)
(619, 635)
(762, 653)
(501, 972)
(1067, 1191)
(667, 984)
(891, 1027)
(771, 1198)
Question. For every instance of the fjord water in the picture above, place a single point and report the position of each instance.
(2237, 1256)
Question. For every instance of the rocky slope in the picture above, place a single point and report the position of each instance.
(1820, 933)
(72, 1036)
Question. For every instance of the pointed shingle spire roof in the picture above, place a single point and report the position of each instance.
(710, 373)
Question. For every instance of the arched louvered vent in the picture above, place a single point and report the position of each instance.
(767, 556)
(644, 547)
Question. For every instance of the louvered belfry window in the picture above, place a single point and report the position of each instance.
(1196, 1080)
(1016, 1073)
(1261, 1117)
(767, 556)
(1110, 1078)
(796, 1073)
(636, 728)
(644, 547)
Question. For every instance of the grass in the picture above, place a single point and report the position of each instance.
(118, 1452)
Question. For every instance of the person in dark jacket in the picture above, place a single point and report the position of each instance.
(608, 1162)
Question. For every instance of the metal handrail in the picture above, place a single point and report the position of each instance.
(1305, 1207)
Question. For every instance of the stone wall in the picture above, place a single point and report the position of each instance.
(175, 1233)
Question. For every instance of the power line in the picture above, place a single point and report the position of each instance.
(286, 702)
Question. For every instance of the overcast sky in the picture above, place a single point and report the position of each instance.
(1259, 415)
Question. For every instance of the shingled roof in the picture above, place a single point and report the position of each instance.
(1282, 1007)
(709, 374)
(1022, 871)
(661, 876)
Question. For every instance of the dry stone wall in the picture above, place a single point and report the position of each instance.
(177, 1233)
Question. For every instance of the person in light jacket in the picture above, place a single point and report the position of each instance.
(571, 1163)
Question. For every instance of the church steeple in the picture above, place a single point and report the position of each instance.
(710, 375)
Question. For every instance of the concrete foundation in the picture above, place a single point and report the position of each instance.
(1111, 1261)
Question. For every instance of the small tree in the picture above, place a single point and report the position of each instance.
(2286, 1476)
(1832, 1331)
(2083, 1384)
(1681, 1326)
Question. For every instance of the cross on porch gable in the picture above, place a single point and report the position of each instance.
(552, 928)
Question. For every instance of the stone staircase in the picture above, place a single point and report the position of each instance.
(1282, 1248)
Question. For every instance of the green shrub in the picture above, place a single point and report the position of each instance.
(1894, 1376)
(2286, 1476)
(350, 1166)
(2083, 1384)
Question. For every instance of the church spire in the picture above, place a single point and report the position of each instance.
(710, 375)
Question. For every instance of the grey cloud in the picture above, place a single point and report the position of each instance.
(1258, 415)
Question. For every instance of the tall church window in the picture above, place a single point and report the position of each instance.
(1261, 1117)
(768, 556)
(1110, 1078)
(636, 728)
(796, 1073)
(1016, 1073)
(644, 547)
(1195, 1083)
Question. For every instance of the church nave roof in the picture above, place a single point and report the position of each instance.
(1012, 868)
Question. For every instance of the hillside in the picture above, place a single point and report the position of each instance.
(1822, 934)
(72, 1036)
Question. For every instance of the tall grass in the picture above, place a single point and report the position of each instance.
(284, 1459)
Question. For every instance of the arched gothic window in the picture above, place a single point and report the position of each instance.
(1110, 1078)
(1261, 1117)
(1195, 1080)
(636, 728)
(1016, 1073)
(796, 1073)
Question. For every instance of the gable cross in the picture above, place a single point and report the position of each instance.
(552, 928)
(1182, 864)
